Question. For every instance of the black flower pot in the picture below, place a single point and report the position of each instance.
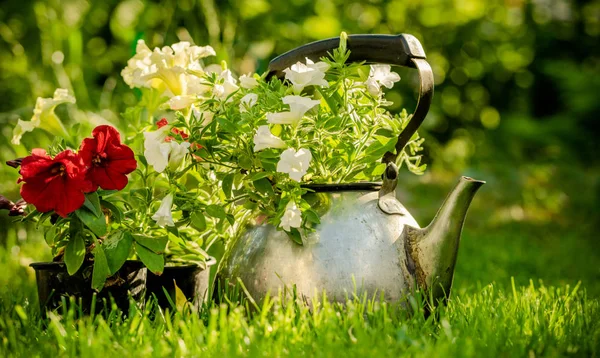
(54, 283)
(192, 280)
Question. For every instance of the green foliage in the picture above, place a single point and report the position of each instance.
(117, 247)
(153, 261)
(101, 270)
(74, 252)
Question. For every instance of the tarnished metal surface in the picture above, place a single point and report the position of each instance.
(355, 243)
(357, 248)
(434, 249)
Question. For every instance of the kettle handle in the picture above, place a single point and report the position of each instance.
(401, 50)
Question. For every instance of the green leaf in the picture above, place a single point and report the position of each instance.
(153, 261)
(227, 185)
(379, 169)
(259, 175)
(216, 211)
(92, 202)
(101, 270)
(95, 223)
(173, 230)
(294, 234)
(312, 216)
(180, 299)
(117, 248)
(156, 244)
(264, 186)
(50, 235)
(198, 221)
(245, 162)
(227, 125)
(143, 160)
(74, 253)
(117, 214)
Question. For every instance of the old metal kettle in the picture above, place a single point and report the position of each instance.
(367, 241)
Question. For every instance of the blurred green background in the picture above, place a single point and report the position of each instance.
(516, 104)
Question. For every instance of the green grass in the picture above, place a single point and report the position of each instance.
(519, 290)
(525, 321)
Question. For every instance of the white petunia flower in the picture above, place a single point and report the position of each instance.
(264, 139)
(177, 153)
(163, 215)
(181, 102)
(167, 68)
(44, 116)
(248, 82)
(161, 153)
(292, 217)
(302, 75)
(156, 150)
(248, 101)
(298, 107)
(226, 85)
(380, 75)
(295, 163)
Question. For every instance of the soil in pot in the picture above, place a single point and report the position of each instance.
(54, 283)
(192, 280)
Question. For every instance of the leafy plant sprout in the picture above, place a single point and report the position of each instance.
(325, 123)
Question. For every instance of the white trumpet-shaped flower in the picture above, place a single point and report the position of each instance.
(44, 116)
(181, 102)
(168, 69)
(161, 153)
(177, 153)
(163, 215)
(264, 139)
(302, 75)
(225, 85)
(248, 101)
(248, 82)
(294, 163)
(292, 217)
(298, 107)
(381, 75)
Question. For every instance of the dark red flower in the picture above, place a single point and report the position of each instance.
(55, 184)
(107, 159)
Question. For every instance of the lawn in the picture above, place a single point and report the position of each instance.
(519, 290)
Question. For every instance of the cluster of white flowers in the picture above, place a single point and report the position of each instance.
(175, 70)
(380, 75)
(44, 116)
(292, 217)
(293, 162)
(170, 65)
(298, 107)
(310, 74)
(161, 153)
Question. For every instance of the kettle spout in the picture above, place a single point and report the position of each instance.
(433, 249)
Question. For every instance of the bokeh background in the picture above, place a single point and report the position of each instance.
(516, 104)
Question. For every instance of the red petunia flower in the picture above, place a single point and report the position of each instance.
(107, 159)
(55, 184)
(163, 122)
